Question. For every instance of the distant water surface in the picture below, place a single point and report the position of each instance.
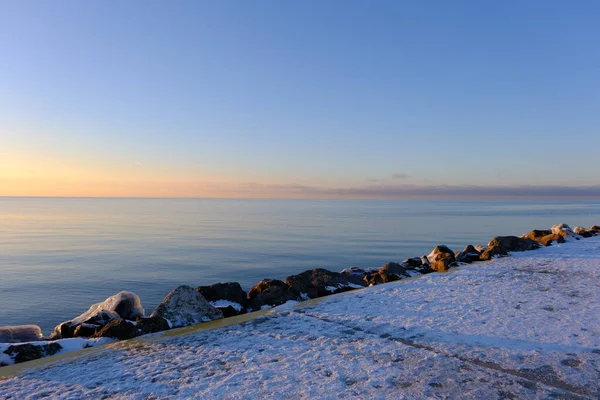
(60, 255)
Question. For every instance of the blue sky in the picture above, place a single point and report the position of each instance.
(237, 98)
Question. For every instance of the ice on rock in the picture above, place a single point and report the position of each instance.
(125, 305)
(20, 334)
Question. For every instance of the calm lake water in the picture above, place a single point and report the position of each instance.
(58, 256)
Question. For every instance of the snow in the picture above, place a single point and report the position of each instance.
(225, 304)
(524, 326)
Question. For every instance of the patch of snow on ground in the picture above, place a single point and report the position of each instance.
(521, 327)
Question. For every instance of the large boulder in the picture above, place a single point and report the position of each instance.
(390, 272)
(537, 234)
(563, 230)
(441, 258)
(552, 238)
(544, 237)
(151, 325)
(579, 230)
(490, 252)
(269, 293)
(20, 334)
(119, 329)
(125, 305)
(227, 297)
(469, 255)
(418, 264)
(514, 243)
(320, 282)
(354, 271)
(184, 306)
(86, 330)
(594, 229)
(31, 351)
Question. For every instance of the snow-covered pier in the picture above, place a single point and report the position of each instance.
(525, 326)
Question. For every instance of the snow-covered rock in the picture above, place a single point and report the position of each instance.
(184, 306)
(227, 297)
(468, 255)
(441, 258)
(562, 230)
(354, 271)
(269, 292)
(20, 333)
(320, 282)
(125, 305)
(21, 352)
(514, 243)
(390, 272)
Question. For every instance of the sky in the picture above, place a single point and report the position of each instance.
(290, 98)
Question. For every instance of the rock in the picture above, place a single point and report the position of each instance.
(117, 328)
(147, 325)
(30, 351)
(595, 229)
(227, 297)
(390, 272)
(444, 262)
(579, 230)
(537, 234)
(548, 239)
(480, 248)
(468, 255)
(441, 258)
(121, 305)
(354, 271)
(320, 282)
(493, 252)
(413, 263)
(269, 292)
(545, 237)
(20, 334)
(439, 252)
(562, 230)
(514, 243)
(184, 306)
(86, 330)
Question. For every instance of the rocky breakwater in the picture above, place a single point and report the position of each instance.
(122, 316)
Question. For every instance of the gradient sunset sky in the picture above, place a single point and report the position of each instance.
(349, 99)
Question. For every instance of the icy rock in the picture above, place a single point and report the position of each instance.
(121, 305)
(544, 237)
(390, 272)
(20, 334)
(117, 328)
(31, 351)
(86, 330)
(441, 258)
(269, 292)
(184, 306)
(579, 230)
(493, 252)
(595, 229)
(468, 255)
(562, 230)
(227, 297)
(514, 243)
(438, 253)
(320, 282)
(354, 271)
(151, 325)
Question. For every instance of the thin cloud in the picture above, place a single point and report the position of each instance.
(430, 191)
(400, 175)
